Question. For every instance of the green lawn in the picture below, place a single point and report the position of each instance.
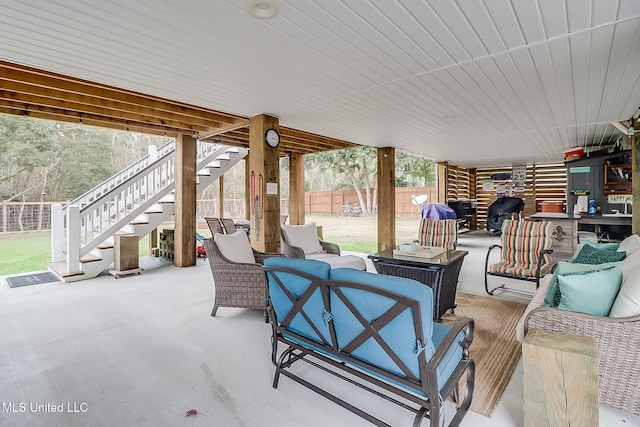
(23, 252)
(30, 251)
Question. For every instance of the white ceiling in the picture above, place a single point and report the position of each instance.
(473, 82)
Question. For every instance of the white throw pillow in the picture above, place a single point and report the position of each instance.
(235, 246)
(303, 236)
(627, 303)
(630, 263)
(630, 244)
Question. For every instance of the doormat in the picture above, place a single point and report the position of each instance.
(31, 279)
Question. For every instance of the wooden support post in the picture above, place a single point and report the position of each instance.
(473, 194)
(221, 197)
(441, 196)
(560, 380)
(386, 198)
(185, 201)
(265, 165)
(296, 188)
(153, 241)
(247, 201)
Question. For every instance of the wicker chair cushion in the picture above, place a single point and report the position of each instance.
(627, 302)
(630, 244)
(303, 236)
(235, 247)
(340, 261)
(590, 292)
(438, 232)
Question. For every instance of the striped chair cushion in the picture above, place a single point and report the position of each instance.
(522, 242)
(438, 232)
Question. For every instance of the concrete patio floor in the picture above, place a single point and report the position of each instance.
(143, 350)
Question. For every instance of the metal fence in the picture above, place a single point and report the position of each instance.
(25, 216)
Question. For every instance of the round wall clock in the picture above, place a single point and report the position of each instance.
(272, 138)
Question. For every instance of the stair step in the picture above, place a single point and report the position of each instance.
(105, 245)
(90, 258)
(139, 222)
(59, 268)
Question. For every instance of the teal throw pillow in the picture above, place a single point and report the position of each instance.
(588, 254)
(590, 292)
(552, 296)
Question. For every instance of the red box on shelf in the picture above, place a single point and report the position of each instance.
(574, 154)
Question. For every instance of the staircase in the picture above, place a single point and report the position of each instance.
(135, 200)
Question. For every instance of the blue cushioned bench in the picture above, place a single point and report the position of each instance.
(375, 327)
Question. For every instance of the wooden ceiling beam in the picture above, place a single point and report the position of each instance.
(42, 94)
(34, 102)
(71, 85)
(65, 116)
(21, 90)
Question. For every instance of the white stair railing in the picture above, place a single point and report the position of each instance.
(105, 209)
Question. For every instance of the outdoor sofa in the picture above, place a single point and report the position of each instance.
(588, 312)
(372, 330)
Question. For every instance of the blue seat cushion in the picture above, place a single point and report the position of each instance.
(297, 285)
(399, 334)
(453, 355)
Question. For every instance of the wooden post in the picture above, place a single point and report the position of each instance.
(247, 202)
(185, 201)
(221, 197)
(441, 197)
(153, 241)
(386, 198)
(265, 165)
(560, 380)
(635, 177)
(473, 194)
(296, 188)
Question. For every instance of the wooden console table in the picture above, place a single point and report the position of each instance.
(439, 273)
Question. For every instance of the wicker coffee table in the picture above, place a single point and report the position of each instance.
(439, 273)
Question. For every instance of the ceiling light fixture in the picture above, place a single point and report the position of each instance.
(262, 9)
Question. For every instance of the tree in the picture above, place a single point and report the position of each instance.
(42, 160)
(414, 171)
(357, 168)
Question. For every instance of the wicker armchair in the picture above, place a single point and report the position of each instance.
(221, 225)
(240, 285)
(618, 350)
(297, 252)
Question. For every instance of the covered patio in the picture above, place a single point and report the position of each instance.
(143, 350)
(479, 84)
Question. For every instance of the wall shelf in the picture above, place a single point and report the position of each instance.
(617, 178)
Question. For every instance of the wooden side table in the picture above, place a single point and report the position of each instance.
(126, 255)
(560, 380)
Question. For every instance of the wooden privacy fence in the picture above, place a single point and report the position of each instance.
(331, 202)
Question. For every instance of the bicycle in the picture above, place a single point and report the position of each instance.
(347, 209)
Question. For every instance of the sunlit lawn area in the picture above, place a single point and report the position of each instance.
(21, 252)
(30, 251)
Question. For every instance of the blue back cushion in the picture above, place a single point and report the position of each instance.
(399, 334)
(297, 285)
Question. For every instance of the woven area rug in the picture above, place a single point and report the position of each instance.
(494, 348)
